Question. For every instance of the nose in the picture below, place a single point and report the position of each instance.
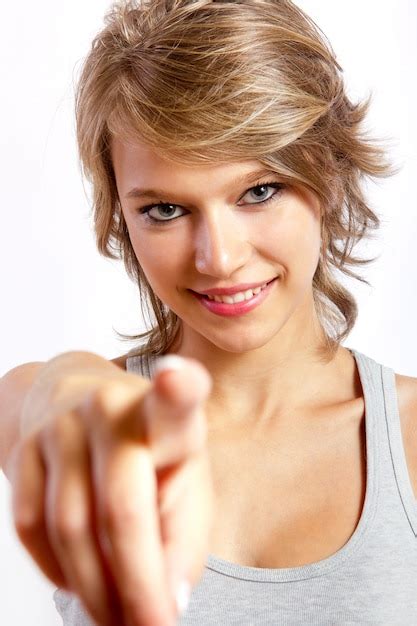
(221, 245)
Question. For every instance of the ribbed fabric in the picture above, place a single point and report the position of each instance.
(372, 579)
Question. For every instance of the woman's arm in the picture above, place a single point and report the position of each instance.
(110, 472)
(15, 385)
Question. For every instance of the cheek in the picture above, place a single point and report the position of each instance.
(295, 243)
(305, 248)
(150, 253)
(155, 257)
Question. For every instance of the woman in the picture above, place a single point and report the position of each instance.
(267, 474)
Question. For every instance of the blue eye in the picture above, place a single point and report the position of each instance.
(263, 187)
(168, 210)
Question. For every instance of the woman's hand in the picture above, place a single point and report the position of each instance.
(112, 492)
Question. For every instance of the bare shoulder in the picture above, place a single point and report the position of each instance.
(407, 407)
(406, 388)
(120, 361)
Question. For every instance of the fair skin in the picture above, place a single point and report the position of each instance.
(296, 421)
(286, 441)
(223, 235)
(287, 458)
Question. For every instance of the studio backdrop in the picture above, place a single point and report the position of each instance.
(58, 294)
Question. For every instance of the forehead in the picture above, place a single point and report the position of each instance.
(138, 166)
(134, 161)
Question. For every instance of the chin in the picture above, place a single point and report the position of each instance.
(238, 342)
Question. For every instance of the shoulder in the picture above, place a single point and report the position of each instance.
(407, 400)
(407, 407)
(120, 361)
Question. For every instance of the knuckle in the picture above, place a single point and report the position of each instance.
(27, 521)
(98, 399)
(96, 408)
(55, 432)
(104, 408)
(117, 515)
(62, 439)
(70, 527)
(139, 612)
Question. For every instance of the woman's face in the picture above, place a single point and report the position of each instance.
(220, 226)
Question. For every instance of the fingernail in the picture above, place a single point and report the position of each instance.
(168, 362)
(182, 597)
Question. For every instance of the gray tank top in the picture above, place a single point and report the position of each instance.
(372, 579)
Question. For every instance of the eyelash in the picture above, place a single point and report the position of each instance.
(145, 210)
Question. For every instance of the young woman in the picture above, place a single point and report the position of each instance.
(260, 465)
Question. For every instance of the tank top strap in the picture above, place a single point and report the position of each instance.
(385, 453)
(396, 446)
(379, 385)
(140, 365)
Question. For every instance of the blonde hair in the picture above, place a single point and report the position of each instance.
(218, 81)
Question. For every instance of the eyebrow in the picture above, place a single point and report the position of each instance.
(136, 192)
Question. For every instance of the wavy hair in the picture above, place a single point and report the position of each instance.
(211, 81)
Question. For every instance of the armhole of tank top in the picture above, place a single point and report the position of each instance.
(396, 445)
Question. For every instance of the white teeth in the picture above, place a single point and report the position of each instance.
(238, 297)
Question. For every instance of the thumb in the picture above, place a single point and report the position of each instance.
(174, 409)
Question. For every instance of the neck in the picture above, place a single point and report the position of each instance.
(257, 384)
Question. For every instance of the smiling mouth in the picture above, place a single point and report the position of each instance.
(211, 298)
(231, 308)
(206, 296)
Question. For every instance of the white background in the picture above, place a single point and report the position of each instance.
(58, 294)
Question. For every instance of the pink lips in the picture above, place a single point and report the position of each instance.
(230, 291)
(238, 308)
